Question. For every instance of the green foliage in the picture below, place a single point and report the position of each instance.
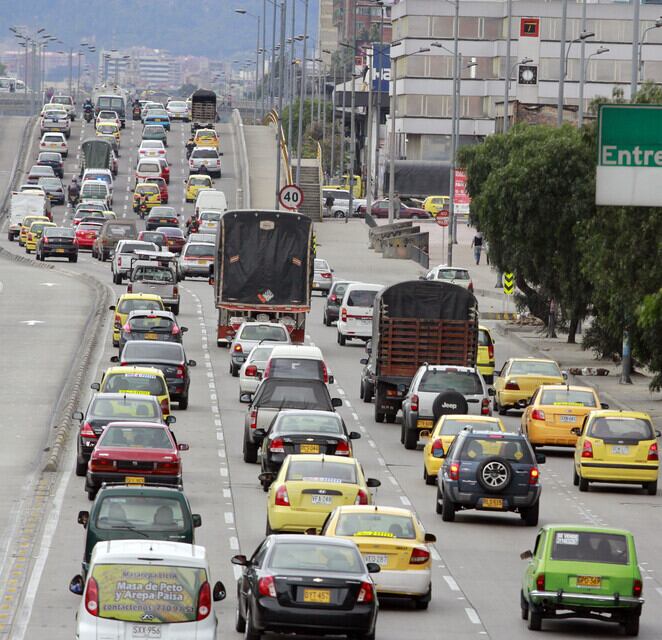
(649, 323)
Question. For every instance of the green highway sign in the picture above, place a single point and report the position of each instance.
(509, 283)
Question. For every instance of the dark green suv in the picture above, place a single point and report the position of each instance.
(122, 512)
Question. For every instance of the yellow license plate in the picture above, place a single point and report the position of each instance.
(309, 448)
(493, 503)
(317, 595)
(151, 336)
(202, 261)
(134, 480)
(589, 581)
(59, 251)
(424, 424)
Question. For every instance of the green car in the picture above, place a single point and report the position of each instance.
(122, 512)
(579, 571)
(155, 132)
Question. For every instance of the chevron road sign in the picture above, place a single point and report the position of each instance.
(509, 283)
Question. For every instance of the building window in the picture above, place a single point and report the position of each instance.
(410, 105)
(414, 67)
(470, 28)
(442, 26)
(418, 27)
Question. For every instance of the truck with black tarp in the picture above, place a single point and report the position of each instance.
(96, 154)
(417, 322)
(203, 109)
(263, 271)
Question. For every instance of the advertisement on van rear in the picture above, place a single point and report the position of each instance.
(148, 593)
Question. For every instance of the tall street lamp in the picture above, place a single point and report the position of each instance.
(243, 12)
(564, 70)
(580, 117)
(302, 93)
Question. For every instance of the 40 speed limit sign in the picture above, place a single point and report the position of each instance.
(290, 197)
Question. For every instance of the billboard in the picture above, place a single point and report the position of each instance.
(381, 64)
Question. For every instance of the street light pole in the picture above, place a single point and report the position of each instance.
(562, 63)
(281, 80)
(303, 90)
(379, 105)
(506, 88)
(640, 63)
(333, 125)
(635, 49)
(582, 68)
(583, 36)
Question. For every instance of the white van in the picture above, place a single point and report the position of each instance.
(147, 589)
(28, 203)
(355, 313)
(103, 175)
(96, 190)
(210, 200)
(301, 362)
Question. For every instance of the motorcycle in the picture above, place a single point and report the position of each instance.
(143, 210)
(73, 196)
(88, 114)
(136, 112)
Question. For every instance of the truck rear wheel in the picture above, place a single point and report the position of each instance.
(250, 452)
(390, 417)
(379, 415)
(411, 438)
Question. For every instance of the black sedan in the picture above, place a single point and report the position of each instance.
(161, 217)
(306, 585)
(304, 431)
(169, 357)
(52, 159)
(151, 324)
(57, 242)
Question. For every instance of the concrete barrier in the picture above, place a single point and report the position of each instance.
(244, 192)
(377, 234)
(399, 246)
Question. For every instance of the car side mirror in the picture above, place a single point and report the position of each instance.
(331, 379)
(422, 277)
(430, 537)
(604, 405)
(182, 446)
(77, 415)
(170, 420)
(576, 431)
(540, 457)
(363, 360)
(373, 567)
(368, 346)
(267, 477)
(197, 520)
(218, 592)
(183, 329)
(245, 397)
(114, 358)
(96, 386)
(83, 517)
(336, 402)
(525, 555)
(373, 483)
(240, 560)
(192, 363)
(259, 433)
(77, 585)
(564, 374)
(491, 391)
(354, 435)
(657, 433)
(112, 307)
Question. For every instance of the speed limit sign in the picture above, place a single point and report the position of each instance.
(290, 197)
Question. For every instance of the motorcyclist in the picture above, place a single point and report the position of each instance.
(141, 204)
(203, 171)
(74, 190)
(87, 105)
(190, 145)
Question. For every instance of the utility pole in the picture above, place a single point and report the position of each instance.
(379, 106)
(582, 68)
(635, 49)
(368, 158)
(352, 126)
(273, 58)
(279, 115)
(454, 140)
(562, 63)
(342, 124)
(506, 86)
(293, 75)
(264, 53)
(333, 124)
(303, 90)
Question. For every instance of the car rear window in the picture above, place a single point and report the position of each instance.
(129, 305)
(211, 215)
(361, 298)
(135, 437)
(205, 153)
(453, 274)
(145, 513)
(260, 354)
(263, 332)
(465, 382)
(154, 274)
(293, 396)
(135, 383)
(589, 546)
(377, 525)
(534, 368)
(321, 265)
(568, 398)
(330, 424)
(298, 368)
(157, 323)
(321, 471)
(59, 232)
(140, 592)
(317, 557)
(621, 427)
(88, 226)
(135, 349)
(453, 426)
(476, 449)
(484, 339)
(127, 408)
(149, 167)
(200, 250)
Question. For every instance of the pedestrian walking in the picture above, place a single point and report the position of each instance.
(328, 205)
(396, 205)
(477, 244)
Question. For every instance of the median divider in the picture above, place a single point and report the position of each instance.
(400, 240)
(243, 160)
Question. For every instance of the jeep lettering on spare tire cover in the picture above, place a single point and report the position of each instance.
(449, 402)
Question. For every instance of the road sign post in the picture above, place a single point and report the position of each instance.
(509, 283)
(291, 197)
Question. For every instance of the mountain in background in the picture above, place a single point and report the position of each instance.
(183, 27)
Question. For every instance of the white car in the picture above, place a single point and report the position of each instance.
(194, 260)
(54, 142)
(207, 156)
(67, 102)
(252, 370)
(48, 107)
(106, 115)
(56, 120)
(104, 175)
(147, 589)
(124, 252)
(452, 275)
(177, 110)
(355, 313)
(147, 168)
(151, 149)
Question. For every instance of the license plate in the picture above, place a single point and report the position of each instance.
(322, 596)
(424, 424)
(59, 251)
(164, 221)
(309, 448)
(202, 261)
(134, 480)
(321, 499)
(145, 631)
(382, 561)
(493, 503)
(151, 336)
(567, 419)
(589, 581)
(620, 450)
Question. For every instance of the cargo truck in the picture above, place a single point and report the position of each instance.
(203, 109)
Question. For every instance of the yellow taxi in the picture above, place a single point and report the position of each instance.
(196, 183)
(129, 302)
(152, 192)
(443, 434)
(555, 410)
(25, 227)
(109, 215)
(139, 380)
(34, 233)
(485, 358)
(206, 138)
(619, 447)
(393, 538)
(308, 487)
(434, 204)
(520, 377)
(107, 128)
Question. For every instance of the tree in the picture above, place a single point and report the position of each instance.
(649, 323)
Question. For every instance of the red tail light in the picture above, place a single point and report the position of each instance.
(204, 601)
(471, 286)
(652, 452)
(587, 450)
(438, 448)
(175, 291)
(637, 588)
(175, 330)
(414, 403)
(366, 593)
(540, 582)
(45, 240)
(490, 352)
(165, 406)
(277, 446)
(419, 556)
(325, 373)
(361, 497)
(512, 385)
(169, 468)
(282, 499)
(326, 275)
(485, 407)
(126, 328)
(238, 348)
(333, 298)
(343, 314)
(251, 371)
(342, 448)
(87, 431)
(537, 414)
(92, 597)
(101, 464)
(267, 587)
(454, 471)
(129, 288)
(267, 370)
(534, 475)
(181, 371)
(254, 419)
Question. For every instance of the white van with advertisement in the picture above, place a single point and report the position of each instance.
(147, 589)
(29, 203)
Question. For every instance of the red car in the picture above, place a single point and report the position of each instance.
(153, 236)
(163, 188)
(174, 237)
(379, 209)
(86, 234)
(165, 169)
(134, 453)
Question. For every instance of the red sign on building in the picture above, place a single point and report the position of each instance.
(462, 200)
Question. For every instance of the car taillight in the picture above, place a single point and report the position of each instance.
(204, 601)
(342, 448)
(471, 286)
(366, 593)
(326, 274)
(333, 298)
(253, 418)
(277, 445)
(238, 348)
(251, 371)
(537, 414)
(181, 371)
(414, 403)
(454, 471)
(512, 385)
(165, 406)
(92, 597)
(485, 407)
(325, 373)
(361, 497)
(101, 464)
(267, 587)
(282, 499)
(175, 291)
(343, 314)
(175, 330)
(171, 467)
(540, 582)
(87, 431)
(437, 448)
(587, 449)
(30, 236)
(44, 240)
(126, 328)
(419, 556)
(118, 321)
(267, 369)
(490, 352)
(637, 588)
(534, 475)
(652, 452)
(129, 288)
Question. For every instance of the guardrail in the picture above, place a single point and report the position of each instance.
(243, 161)
(399, 240)
(419, 255)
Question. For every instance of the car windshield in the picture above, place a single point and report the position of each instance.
(119, 585)
(199, 181)
(153, 236)
(361, 298)
(151, 323)
(453, 274)
(377, 525)
(88, 226)
(298, 368)
(135, 437)
(50, 183)
(321, 471)
(117, 230)
(133, 304)
(535, 368)
(145, 513)
(340, 288)
(128, 407)
(453, 426)
(172, 232)
(329, 424)
(465, 382)
(476, 449)
(148, 190)
(317, 557)
(148, 350)
(200, 250)
(134, 382)
(568, 398)
(154, 274)
(205, 153)
(263, 332)
(321, 265)
(590, 546)
(621, 427)
(281, 394)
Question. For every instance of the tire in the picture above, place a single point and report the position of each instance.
(117, 278)
(494, 474)
(390, 418)
(182, 405)
(530, 515)
(175, 309)
(234, 371)
(524, 606)
(249, 631)
(535, 619)
(327, 322)
(91, 494)
(449, 402)
(503, 411)
(81, 467)
(341, 339)
(631, 625)
(575, 477)
(73, 259)
(379, 416)
(489, 379)
(422, 602)
(429, 480)
(361, 391)
(250, 452)
(411, 438)
(437, 505)
(447, 509)
(583, 484)
(651, 488)
(239, 620)
(368, 393)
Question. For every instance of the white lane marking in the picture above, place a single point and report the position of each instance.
(355, 416)
(234, 543)
(381, 461)
(229, 517)
(472, 615)
(659, 590)
(452, 585)
(372, 444)
(405, 500)
(227, 493)
(219, 435)
(348, 404)
(435, 554)
(221, 453)
(340, 391)
(224, 472)
(393, 481)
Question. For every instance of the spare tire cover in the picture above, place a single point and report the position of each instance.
(449, 402)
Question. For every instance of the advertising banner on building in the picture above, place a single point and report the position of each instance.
(462, 200)
(381, 64)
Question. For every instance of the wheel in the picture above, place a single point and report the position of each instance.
(503, 411)
(429, 480)
(117, 278)
(402, 432)
(411, 438)
(249, 631)
(524, 606)
(234, 371)
(583, 484)
(361, 391)
(651, 488)
(175, 309)
(422, 602)
(239, 620)
(379, 416)
(439, 501)
(182, 276)
(575, 477)
(81, 467)
(72, 259)
(447, 509)
(341, 339)
(91, 494)
(631, 625)
(368, 392)
(390, 418)
(449, 402)
(494, 474)
(250, 452)
(183, 403)
(27, 250)
(327, 322)
(530, 515)
(535, 619)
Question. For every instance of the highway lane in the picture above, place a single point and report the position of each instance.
(477, 566)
